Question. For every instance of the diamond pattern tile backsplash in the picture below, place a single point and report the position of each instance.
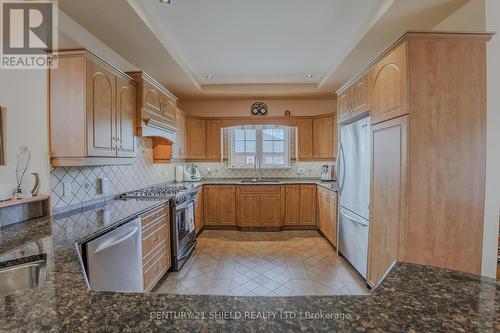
(84, 180)
(143, 173)
(220, 170)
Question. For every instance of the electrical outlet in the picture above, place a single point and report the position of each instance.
(67, 189)
(103, 185)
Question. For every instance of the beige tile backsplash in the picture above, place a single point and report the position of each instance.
(84, 180)
(84, 186)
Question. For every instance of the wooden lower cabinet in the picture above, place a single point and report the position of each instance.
(327, 214)
(198, 211)
(219, 205)
(300, 205)
(260, 206)
(156, 257)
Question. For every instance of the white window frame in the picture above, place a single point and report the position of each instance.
(259, 147)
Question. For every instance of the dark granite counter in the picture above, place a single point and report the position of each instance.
(330, 185)
(411, 298)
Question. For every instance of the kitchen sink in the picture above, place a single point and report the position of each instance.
(23, 276)
(256, 181)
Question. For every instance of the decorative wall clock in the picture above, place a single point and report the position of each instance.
(258, 109)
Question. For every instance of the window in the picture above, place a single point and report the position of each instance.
(253, 145)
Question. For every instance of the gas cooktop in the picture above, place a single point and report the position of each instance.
(178, 192)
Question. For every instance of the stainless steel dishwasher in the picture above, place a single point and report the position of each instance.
(114, 260)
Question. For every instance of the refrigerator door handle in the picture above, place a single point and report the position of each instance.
(353, 218)
(342, 159)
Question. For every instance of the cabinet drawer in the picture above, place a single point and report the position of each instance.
(153, 237)
(155, 268)
(260, 188)
(154, 216)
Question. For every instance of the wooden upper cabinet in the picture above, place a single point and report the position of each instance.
(305, 138)
(389, 86)
(213, 140)
(389, 176)
(125, 113)
(152, 98)
(323, 137)
(360, 96)
(344, 106)
(196, 137)
(91, 112)
(100, 111)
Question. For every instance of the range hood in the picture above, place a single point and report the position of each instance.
(154, 125)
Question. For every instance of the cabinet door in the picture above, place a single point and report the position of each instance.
(213, 141)
(125, 117)
(344, 105)
(180, 142)
(101, 86)
(152, 98)
(389, 87)
(211, 204)
(293, 206)
(323, 140)
(196, 138)
(388, 215)
(305, 138)
(332, 218)
(270, 210)
(360, 97)
(169, 107)
(249, 209)
(227, 205)
(322, 210)
(198, 211)
(307, 205)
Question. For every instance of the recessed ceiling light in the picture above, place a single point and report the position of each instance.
(309, 76)
(165, 1)
(209, 77)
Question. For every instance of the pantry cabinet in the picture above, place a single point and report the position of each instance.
(219, 205)
(427, 94)
(327, 214)
(300, 205)
(91, 112)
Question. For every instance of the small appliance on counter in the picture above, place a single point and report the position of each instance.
(179, 174)
(327, 172)
(191, 173)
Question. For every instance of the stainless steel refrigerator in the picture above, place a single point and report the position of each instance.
(354, 166)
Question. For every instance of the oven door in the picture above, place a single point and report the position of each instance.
(184, 222)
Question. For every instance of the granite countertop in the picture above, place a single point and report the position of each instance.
(330, 185)
(411, 298)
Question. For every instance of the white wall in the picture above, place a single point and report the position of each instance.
(469, 17)
(492, 202)
(23, 97)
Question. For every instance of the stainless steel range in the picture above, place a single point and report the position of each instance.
(182, 230)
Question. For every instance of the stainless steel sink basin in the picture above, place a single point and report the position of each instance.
(256, 181)
(23, 276)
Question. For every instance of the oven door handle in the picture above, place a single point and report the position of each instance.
(184, 205)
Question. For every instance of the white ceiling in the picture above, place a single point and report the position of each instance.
(253, 48)
(259, 41)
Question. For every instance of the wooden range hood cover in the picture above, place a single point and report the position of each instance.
(153, 127)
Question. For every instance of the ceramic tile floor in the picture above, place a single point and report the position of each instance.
(287, 263)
